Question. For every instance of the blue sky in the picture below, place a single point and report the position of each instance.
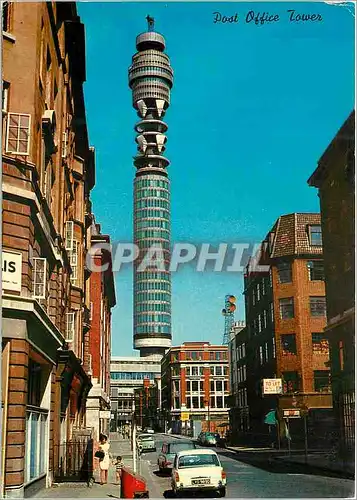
(252, 109)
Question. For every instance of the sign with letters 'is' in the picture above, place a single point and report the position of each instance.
(104, 414)
(11, 271)
(272, 386)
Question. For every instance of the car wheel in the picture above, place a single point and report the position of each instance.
(222, 492)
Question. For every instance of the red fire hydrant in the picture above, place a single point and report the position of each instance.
(132, 485)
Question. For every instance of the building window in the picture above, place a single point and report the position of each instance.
(219, 370)
(73, 259)
(259, 323)
(34, 384)
(322, 381)
(253, 297)
(5, 96)
(258, 292)
(274, 351)
(114, 392)
(286, 308)
(219, 385)
(64, 143)
(263, 286)
(6, 13)
(194, 386)
(272, 312)
(219, 401)
(261, 354)
(284, 272)
(320, 344)
(39, 277)
(290, 382)
(18, 133)
(316, 270)
(318, 306)
(266, 352)
(288, 344)
(70, 326)
(265, 318)
(315, 235)
(36, 440)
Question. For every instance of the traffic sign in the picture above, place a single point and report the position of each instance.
(291, 413)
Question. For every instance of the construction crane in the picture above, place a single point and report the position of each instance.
(228, 313)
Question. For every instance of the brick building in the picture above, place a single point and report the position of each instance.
(285, 317)
(48, 173)
(239, 409)
(195, 387)
(334, 177)
(102, 300)
(148, 404)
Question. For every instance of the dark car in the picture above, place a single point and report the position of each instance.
(220, 440)
(207, 439)
(169, 450)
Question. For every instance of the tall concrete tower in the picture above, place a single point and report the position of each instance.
(150, 79)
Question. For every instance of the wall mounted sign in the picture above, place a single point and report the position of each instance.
(11, 271)
(272, 386)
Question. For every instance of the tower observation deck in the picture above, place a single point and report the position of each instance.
(151, 79)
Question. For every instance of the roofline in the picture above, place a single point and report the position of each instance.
(318, 173)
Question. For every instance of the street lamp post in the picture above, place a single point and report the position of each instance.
(208, 415)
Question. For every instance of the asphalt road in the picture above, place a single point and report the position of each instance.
(247, 478)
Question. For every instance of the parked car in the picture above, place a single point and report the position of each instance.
(169, 450)
(148, 430)
(198, 471)
(145, 442)
(200, 438)
(220, 441)
(207, 439)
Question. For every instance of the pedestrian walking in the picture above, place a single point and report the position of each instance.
(119, 464)
(104, 462)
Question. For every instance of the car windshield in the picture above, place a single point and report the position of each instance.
(175, 448)
(208, 460)
(145, 438)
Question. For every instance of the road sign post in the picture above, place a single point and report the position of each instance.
(305, 431)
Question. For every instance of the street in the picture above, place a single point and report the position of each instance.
(261, 480)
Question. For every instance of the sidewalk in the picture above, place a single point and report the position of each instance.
(118, 446)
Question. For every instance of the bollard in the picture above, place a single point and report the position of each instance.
(132, 485)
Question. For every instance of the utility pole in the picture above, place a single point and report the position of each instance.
(133, 434)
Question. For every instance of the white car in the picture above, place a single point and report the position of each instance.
(198, 470)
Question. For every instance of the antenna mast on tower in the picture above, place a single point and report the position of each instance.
(228, 313)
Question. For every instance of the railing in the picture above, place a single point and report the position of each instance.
(73, 460)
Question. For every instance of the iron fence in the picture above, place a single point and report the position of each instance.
(73, 461)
